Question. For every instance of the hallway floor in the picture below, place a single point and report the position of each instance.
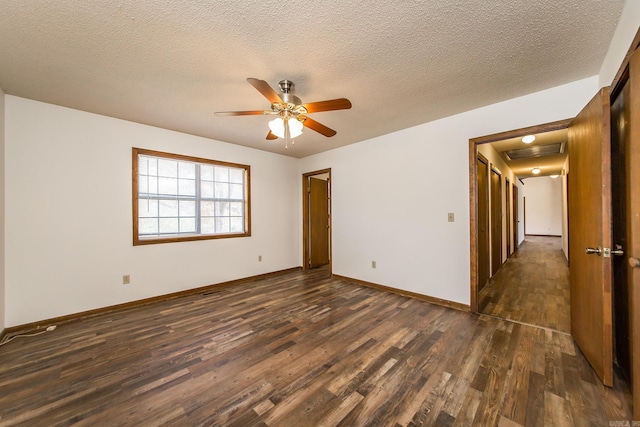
(532, 286)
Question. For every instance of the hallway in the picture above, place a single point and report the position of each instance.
(532, 286)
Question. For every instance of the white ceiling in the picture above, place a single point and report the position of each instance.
(173, 63)
(548, 165)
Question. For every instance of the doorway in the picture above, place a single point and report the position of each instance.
(474, 198)
(316, 219)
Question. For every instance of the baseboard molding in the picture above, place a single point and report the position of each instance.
(543, 235)
(34, 326)
(3, 333)
(426, 298)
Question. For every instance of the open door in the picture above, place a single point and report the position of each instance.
(590, 238)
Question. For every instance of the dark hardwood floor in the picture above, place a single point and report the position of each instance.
(532, 286)
(301, 349)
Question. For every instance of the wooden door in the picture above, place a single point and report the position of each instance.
(507, 203)
(496, 222)
(590, 216)
(633, 226)
(514, 195)
(318, 222)
(483, 222)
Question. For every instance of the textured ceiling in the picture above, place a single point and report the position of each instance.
(173, 63)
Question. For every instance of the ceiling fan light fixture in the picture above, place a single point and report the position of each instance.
(535, 171)
(277, 127)
(528, 139)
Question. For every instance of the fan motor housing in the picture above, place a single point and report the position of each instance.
(286, 86)
(289, 98)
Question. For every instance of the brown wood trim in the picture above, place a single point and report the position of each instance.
(623, 72)
(607, 231)
(426, 298)
(543, 235)
(3, 333)
(473, 222)
(134, 198)
(305, 218)
(483, 159)
(547, 127)
(127, 305)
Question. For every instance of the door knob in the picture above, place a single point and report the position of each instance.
(591, 251)
(634, 262)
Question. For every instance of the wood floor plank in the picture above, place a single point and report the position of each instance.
(300, 349)
(532, 286)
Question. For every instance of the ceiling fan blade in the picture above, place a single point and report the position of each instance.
(266, 90)
(318, 127)
(333, 104)
(271, 135)
(241, 113)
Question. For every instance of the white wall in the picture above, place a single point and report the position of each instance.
(69, 216)
(391, 194)
(544, 206)
(2, 237)
(620, 42)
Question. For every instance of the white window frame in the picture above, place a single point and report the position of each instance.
(198, 231)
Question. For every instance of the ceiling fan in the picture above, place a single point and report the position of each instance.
(291, 112)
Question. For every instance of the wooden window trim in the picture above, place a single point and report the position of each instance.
(137, 241)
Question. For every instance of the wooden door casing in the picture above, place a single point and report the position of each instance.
(590, 216)
(619, 146)
(633, 225)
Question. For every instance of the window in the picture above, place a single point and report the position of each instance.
(179, 198)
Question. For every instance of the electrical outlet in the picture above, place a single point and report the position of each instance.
(373, 264)
(259, 258)
(450, 217)
(126, 279)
